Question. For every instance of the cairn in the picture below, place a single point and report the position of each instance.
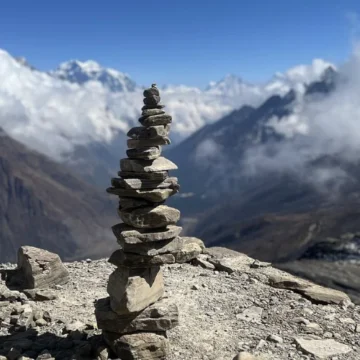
(135, 317)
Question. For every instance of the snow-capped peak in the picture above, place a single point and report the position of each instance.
(81, 72)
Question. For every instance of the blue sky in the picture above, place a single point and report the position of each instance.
(189, 42)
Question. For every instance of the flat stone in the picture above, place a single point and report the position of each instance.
(127, 203)
(131, 143)
(152, 100)
(138, 346)
(172, 246)
(158, 106)
(147, 166)
(316, 293)
(149, 112)
(158, 175)
(120, 258)
(239, 263)
(40, 294)
(202, 261)
(145, 153)
(155, 120)
(153, 195)
(151, 132)
(129, 235)
(40, 268)
(170, 182)
(161, 316)
(322, 349)
(150, 217)
(132, 290)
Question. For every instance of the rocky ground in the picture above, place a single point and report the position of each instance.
(233, 305)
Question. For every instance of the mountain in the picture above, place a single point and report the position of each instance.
(79, 113)
(82, 72)
(280, 182)
(43, 204)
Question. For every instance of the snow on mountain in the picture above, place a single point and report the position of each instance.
(82, 72)
(97, 105)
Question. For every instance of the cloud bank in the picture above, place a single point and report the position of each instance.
(53, 116)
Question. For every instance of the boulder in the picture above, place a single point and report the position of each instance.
(40, 268)
(132, 290)
(161, 316)
(136, 346)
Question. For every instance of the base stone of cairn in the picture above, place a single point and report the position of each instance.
(135, 316)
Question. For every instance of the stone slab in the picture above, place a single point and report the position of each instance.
(161, 316)
(147, 166)
(157, 175)
(150, 217)
(145, 153)
(120, 258)
(151, 132)
(152, 195)
(130, 235)
(132, 290)
(132, 143)
(137, 184)
(155, 120)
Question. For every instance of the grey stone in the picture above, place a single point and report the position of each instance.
(40, 268)
(153, 195)
(155, 120)
(149, 112)
(170, 182)
(153, 90)
(156, 175)
(145, 153)
(275, 339)
(158, 107)
(191, 248)
(322, 349)
(129, 235)
(132, 143)
(40, 294)
(152, 101)
(74, 326)
(132, 290)
(154, 248)
(151, 132)
(201, 260)
(136, 346)
(127, 203)
(146, 166)
(150, 217)
(316, 293)
(161, 316)
(120, 258)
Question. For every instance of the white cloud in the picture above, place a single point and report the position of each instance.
(318, 128)
(52, 116)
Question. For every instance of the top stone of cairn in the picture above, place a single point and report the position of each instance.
(152, 98)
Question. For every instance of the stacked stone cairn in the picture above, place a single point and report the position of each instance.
(136, 315)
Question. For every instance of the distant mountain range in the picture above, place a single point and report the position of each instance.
(79, 113)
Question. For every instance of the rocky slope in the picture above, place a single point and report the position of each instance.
(43, 204)
(234, 305)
